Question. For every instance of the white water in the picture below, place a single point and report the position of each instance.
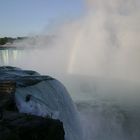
(50, 98)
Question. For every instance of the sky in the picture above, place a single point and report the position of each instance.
(24, 17)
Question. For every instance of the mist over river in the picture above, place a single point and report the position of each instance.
(108, 108)
(97, 58)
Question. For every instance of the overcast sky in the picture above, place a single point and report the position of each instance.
(23, 17)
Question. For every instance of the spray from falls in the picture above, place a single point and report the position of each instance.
(101, 47)
(104, 43)
(107, 44)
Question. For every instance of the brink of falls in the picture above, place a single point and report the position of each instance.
(43, 96)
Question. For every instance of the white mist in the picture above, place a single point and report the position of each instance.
(97, 58)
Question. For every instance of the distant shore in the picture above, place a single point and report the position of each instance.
(10, 47)
(8, 41)
(7, 46)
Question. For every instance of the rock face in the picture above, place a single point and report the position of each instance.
(20, 126)
(7, 90)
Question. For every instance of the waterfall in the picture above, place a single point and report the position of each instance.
(44, 96)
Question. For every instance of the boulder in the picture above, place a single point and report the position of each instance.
(20, 126)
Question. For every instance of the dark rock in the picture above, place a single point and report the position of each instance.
(18, 126)
(28, 98)
(7, 90)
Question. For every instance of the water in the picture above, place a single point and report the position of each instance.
(104, 120)
(108, 108)
(48, 98)
(5, 54)
(97, 59)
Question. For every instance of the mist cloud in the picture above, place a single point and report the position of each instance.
(104, 42)
(109, 40)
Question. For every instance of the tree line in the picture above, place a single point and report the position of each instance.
(5, 40)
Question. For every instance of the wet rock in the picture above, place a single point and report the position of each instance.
(19, 126)
(7, 90)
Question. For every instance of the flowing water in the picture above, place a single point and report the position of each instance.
(109, 108)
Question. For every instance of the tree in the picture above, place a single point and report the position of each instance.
(3, 40)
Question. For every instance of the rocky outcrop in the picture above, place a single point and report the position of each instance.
(7, 90)
(18, 126)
